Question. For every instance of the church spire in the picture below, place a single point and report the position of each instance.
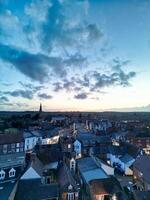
(40, 108)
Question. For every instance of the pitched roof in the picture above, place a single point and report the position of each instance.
(49, 153)
(142, 164)
(107, 186)
(6, 189)
(141, 195)
(9, 138)
(65, 179)
(35, 190)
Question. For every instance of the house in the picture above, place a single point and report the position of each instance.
(12, 156)
(51, 136)
(69, 189)
(97, 179)
(122, 157)
(100, 152)
(33, 189)
(67, 144)
(141, 172)
(89, 170)
(109, 188)
(77, 148)
(89, 140)
(31, 138)
(45, 163)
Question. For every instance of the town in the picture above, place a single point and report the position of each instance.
(74, 155)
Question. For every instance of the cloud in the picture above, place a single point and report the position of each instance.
(94, 33)
(131, 109)
(31, 86)
(95, 81)
(27, 94)
(38, 66)
(82, 95)
(31, 65)
(44, 96)
(3, 99)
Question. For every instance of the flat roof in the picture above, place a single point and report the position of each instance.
(94, 174)
(89, 169)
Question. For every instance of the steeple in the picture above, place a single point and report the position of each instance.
(40, 108)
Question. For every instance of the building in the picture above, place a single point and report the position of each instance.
(77, 148)
(97, 180)
(122, 157)
(141, 172)
(69, 189)
(12, 156)
(28, 189)
(31, 138)
(45, 163)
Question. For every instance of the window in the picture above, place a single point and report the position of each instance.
(12, 147)
(2, 174)
(21, 149)
(5, 148)
(71, 196)
(18, 145)
(12, 173)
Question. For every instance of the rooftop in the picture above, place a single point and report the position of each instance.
(6, 189)
(12, 159)
(35, 190)
(142, 164)
(89, 169)
(9, 138)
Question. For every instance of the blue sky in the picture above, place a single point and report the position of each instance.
(88, 55)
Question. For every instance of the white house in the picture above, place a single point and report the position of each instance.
(77, 148)
(125, 162)
(31, 139)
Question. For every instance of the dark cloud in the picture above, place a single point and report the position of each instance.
(94, 33)
(27, 94)
(31, 65)
(38, 66)
(44, 96)
(3, 99)
(57, 86)
(82, 95)
(94, 81)
(31, 86)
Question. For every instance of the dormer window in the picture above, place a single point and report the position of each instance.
(12, 173)
(2, 174)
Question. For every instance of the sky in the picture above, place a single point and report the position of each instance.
(75, 55)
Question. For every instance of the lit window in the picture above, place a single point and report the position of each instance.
(12, 173)
(71, 196)
(2, 174)
(18, 145)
